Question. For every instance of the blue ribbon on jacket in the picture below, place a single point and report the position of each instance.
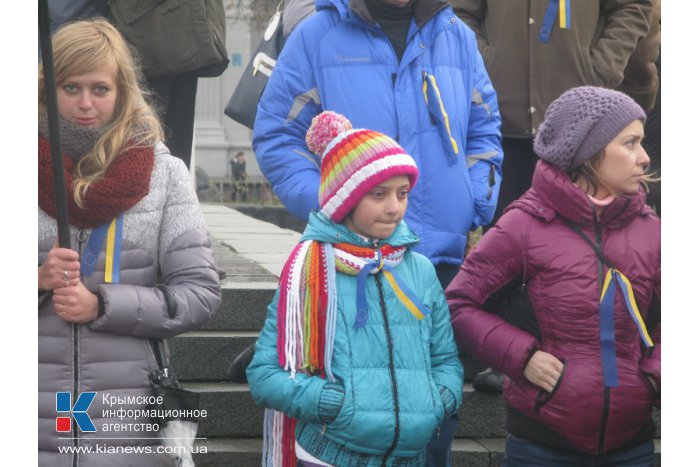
(112, 232)
(564, 9)
(414, 305)
(438, 114)
(613, 279)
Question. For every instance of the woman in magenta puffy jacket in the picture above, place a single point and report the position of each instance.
(574, 266)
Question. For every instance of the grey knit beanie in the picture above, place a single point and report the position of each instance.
(581, 122)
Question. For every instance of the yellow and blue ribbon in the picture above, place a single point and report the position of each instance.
(113, 250)
(613, 279)
(563, 7)
(437, 111)
(404, 294)
(112, 233)
(565, 14)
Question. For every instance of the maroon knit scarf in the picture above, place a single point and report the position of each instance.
(126, 181)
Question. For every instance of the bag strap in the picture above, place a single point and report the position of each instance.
(161, 351)
(590, 242)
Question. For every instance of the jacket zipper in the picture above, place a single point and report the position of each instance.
(82, 237)
(606, 390)
(392, 372)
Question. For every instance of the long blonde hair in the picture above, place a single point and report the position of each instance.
(81, 47)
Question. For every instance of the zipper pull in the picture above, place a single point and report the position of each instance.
(82, 237)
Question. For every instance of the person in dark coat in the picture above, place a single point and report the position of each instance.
(580, 344)
(238, 175)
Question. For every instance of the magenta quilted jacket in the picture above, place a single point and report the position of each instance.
(562, 274)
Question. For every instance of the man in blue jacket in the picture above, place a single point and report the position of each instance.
(412, 70)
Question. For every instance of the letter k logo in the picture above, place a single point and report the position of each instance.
(78, 411)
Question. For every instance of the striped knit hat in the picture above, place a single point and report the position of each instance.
(353, 161)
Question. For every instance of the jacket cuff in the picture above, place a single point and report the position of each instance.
(530, 354)
(449, 401)
(100, 305)
(330, 402)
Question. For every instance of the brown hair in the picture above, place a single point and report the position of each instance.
(590, 178)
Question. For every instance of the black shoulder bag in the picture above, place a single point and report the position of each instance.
(243, 104)
(176, 410)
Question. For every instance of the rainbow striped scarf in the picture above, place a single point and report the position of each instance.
(307, 314)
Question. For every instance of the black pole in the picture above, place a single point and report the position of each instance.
(59, 183)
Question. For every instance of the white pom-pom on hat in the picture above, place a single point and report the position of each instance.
(324, 128)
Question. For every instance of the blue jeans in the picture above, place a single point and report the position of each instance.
(440, 447)
(523, 453)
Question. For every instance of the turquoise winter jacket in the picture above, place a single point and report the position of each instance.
(338, 60)
(353, 421)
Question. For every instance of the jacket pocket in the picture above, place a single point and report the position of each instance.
(592, 77)
(543, 396)
(645, 377)
(346, 413)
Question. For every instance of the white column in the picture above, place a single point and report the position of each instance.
(217, 136)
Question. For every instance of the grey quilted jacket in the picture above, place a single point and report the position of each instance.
(112, 355)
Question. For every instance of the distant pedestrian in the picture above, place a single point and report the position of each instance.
(238, 176)
(238, 166)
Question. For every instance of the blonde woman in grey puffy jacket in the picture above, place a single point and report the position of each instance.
(140, 264)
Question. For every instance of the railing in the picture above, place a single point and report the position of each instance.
(254, 190)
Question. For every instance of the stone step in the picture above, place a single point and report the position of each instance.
(227, 452)
(248, 452)
(243, 306)
(232, 412)
(207, 355)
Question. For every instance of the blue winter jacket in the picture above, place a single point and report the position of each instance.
(438, 103)
(407, 371)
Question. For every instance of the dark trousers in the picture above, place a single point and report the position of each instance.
(519, 161)
(523, 453)
(175, 97)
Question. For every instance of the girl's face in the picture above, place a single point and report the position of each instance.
(380, 211)
(624, 162)
(90, 99)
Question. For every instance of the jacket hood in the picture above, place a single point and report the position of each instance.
(423, 9)
(554, 194)
(322, 229)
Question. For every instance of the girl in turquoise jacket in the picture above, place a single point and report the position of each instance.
(356, 361)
